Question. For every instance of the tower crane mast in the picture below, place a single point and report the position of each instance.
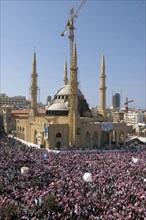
(70, 26)
(73, 111)
(126, 104)
(126, 107)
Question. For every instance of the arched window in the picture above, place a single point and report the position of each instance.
(58, 135)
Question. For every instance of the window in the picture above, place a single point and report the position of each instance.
(58, 135)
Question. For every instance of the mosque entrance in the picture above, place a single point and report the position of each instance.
(95, 140)
(35, 137)
(58, 145)
(87, 140)
(104, 138)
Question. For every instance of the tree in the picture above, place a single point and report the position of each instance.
(2, 186)
(9, 212)
(49, 202)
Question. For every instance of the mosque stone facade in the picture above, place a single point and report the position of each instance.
(68, 119)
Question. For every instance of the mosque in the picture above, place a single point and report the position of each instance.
(68, 120)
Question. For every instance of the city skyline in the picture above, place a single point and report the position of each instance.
(101, 29)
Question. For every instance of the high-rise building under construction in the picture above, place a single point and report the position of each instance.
(116, 100)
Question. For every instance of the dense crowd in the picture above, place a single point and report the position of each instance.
(117, 190)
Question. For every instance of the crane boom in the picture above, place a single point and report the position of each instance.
(73, 15)
(79, 8)
(128, 101)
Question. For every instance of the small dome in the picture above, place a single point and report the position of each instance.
(58, 107)
(65, 90)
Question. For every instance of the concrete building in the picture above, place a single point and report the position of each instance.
(13, 101)
(134, 117)
(118, 116)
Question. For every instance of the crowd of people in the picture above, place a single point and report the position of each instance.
(54, 188)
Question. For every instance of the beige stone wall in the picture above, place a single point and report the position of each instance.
(55, 129)
(90, 134)
(92, 131)
(56, 119)
(87, 133)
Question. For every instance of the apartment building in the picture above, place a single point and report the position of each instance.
(11, 101)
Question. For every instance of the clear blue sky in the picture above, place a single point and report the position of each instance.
(116, 29)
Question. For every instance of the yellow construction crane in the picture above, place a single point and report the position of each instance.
(70, 26)
(73, 68)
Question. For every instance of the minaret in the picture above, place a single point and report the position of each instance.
(34, 87)
(73, 112)
(65, 74)
(102, 98)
